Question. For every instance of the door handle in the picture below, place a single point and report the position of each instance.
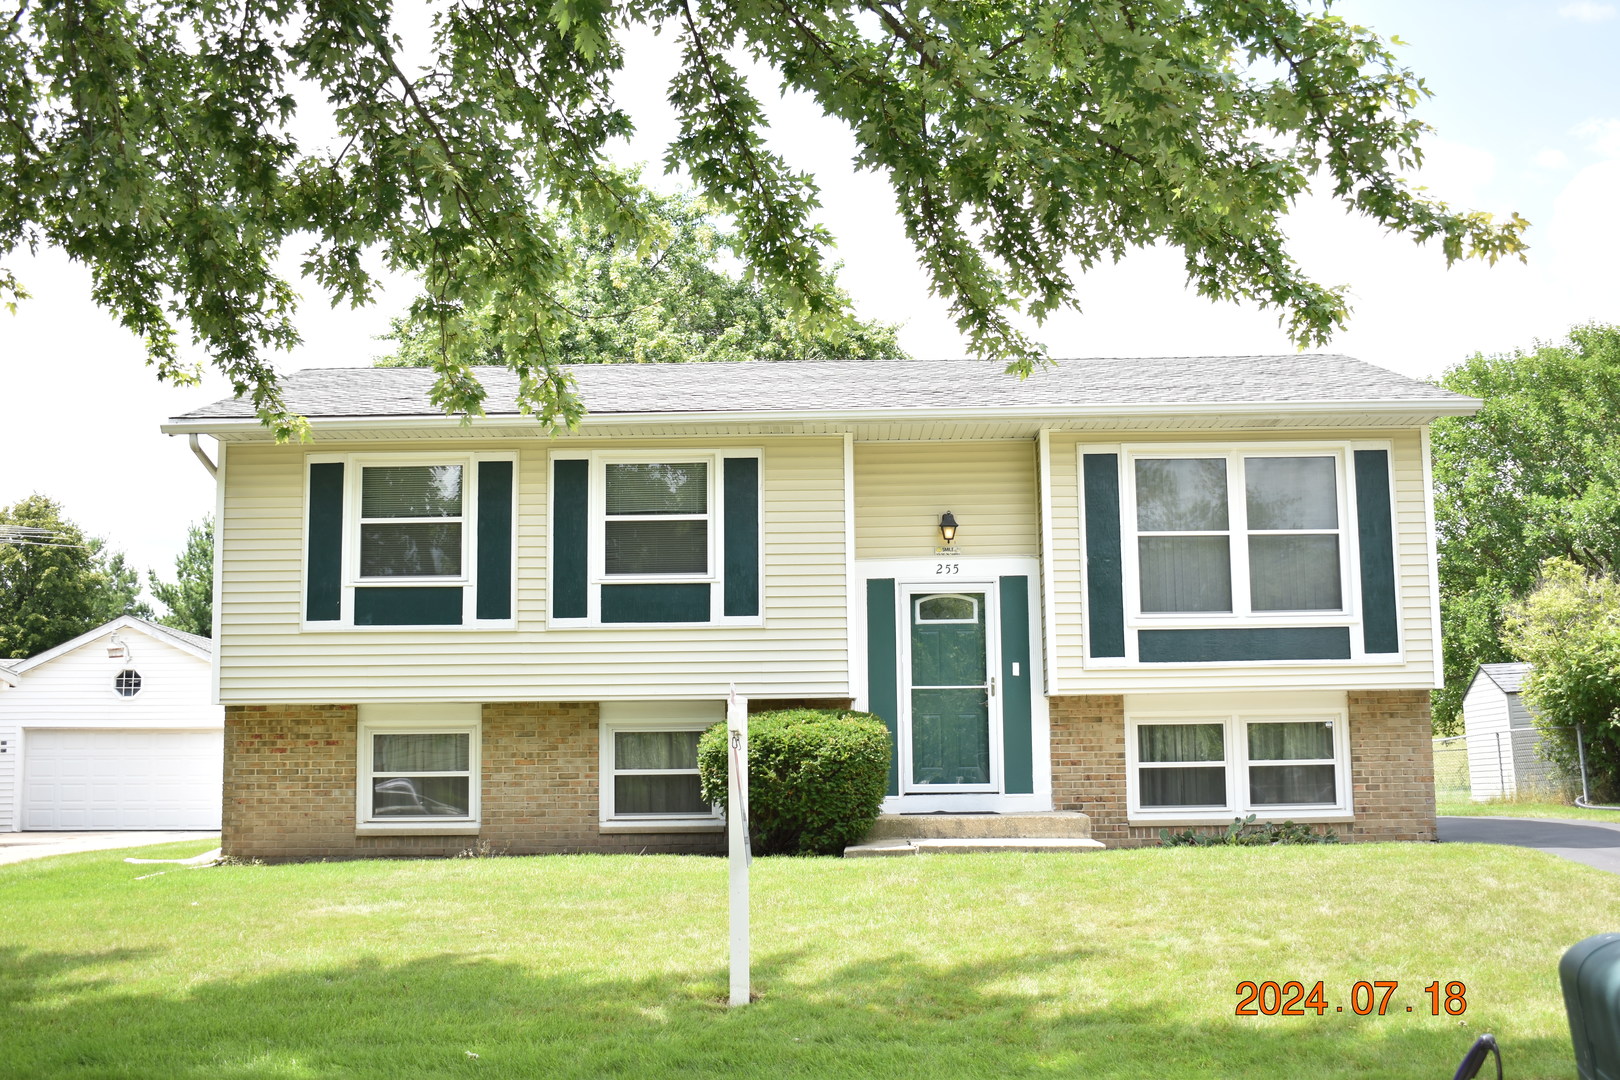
(992, 686)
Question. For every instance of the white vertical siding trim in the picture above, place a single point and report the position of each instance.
(853, 591)
(1064, 564)
(220, 466)
(1434, 558)
(10, 788)
(1048, 585)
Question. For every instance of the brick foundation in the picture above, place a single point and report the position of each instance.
(1391, 766)
(290, 774)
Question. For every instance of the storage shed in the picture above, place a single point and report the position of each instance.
(1501, 734)
(112, 730)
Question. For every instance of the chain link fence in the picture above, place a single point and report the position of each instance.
(1499, 765)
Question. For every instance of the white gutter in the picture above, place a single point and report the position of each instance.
(196, 448)
(1456, 406)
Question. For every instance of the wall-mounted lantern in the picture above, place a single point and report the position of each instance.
(947, 527)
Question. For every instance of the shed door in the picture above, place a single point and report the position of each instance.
(90, 780)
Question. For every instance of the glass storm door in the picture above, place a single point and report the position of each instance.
(951, 731)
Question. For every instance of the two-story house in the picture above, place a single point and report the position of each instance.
(1176, 591)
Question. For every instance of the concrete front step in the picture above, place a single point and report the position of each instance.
(1060, 824)
(956, 845)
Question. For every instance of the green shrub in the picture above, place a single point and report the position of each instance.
(1569, 631)
(1243, 832)
(816, 778)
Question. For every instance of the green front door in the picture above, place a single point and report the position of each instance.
(950, 736)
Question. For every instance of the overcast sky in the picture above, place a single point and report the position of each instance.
(1527, 112)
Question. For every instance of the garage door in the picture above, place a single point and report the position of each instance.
(74, 779)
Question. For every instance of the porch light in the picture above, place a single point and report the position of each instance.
(947, 526)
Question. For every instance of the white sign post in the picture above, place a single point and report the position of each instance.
(740, 853)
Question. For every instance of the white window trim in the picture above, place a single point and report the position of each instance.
(1238, 533)
(453, 719)
(354, 494)
(596, 536)
(112, 684)
(596, 561)
(1234, 723)
(652, 716)
(352, 464)
(1350, 555)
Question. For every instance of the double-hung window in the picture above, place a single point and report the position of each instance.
(418, 769)
(650, 766)
(1216, 765)
(410, 539)
(412, 521)
(668, 536)
(1239, 533)
(656, 519)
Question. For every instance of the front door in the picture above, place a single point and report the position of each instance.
(950, 727)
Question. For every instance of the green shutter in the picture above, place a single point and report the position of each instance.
(1216, 646)
(883, 668)
(494, 540)
(683, 603)
(1380, 618)
(1017, 733)
(1105, 591)
(741, 492)
(398, 605)
(323, 574)
(570, 537)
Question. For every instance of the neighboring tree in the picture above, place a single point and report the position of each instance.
(189, 599)
(1535, 474)
(677, 302)
(1569, 629)
(55, 583)
(1023, 143)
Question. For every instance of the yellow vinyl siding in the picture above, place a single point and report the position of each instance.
(1071, 676)
(901, 488)
(266, 658)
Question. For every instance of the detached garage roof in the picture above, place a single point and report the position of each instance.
(200, 647)
(892, 388)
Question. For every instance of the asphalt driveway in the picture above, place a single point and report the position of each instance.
(17, 846)
(1595, 843)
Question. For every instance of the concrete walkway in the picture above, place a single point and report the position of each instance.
(1595, 843)
(17, 846)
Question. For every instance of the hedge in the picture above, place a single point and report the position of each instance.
(816, 778)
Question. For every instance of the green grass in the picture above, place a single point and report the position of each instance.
(1533, 808)
(1119, 964)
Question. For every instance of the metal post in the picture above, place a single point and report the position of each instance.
(737, 830)
(1501, 773)
(1580, 752)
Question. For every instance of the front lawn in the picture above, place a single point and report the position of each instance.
(1119, 964)
(1528, 808)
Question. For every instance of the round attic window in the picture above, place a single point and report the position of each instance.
(127, 682)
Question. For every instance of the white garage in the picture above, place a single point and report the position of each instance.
(112, 730)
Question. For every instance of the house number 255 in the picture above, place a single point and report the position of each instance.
(948, 568)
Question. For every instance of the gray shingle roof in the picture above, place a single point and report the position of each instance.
(1507, 677)
(789, 387)
(195, 640)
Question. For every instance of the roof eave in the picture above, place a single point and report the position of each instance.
(1454, 406)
